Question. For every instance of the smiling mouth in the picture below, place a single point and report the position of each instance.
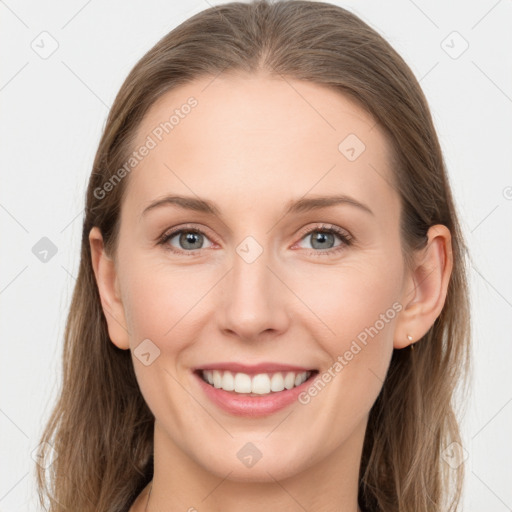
(260, 384)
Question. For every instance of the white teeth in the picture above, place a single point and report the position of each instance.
(242, 383)
(217, 378)
(289, 380)
(277, 382)
(261, 384)
(228, 382)
(207, 375)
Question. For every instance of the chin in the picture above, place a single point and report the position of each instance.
(261, 471)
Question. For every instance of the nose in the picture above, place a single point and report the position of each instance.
(255, 301)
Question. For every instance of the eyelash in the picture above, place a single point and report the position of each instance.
(346, 239)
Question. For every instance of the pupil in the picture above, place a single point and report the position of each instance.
(189, 237)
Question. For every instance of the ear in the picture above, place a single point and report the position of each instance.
(108, 287)
(426, 286)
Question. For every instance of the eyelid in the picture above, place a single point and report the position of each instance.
(172, 232)
(346, 238)
(322, 226)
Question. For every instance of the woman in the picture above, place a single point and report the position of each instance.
(271, 311)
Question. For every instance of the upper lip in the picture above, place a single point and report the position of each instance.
(254, 369)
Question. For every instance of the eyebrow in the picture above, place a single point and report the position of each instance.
(305, 204)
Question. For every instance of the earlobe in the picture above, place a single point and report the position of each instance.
(108, 288)
(426, 287)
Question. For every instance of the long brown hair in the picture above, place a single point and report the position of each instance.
(101, 429)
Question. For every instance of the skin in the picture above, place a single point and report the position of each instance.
(252, 144)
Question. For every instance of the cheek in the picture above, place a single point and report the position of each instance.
(150, 305)
(352, 297)
(168, 305)
(159, 306)
(359, 310)
(355, 308)
(352, 313)
(158, 301)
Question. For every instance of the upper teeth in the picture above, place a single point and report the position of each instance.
(262, 383)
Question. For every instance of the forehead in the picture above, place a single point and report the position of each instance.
(246, 137)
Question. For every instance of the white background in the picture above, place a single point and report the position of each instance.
(53, 111)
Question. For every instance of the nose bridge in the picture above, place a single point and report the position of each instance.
(254, 298)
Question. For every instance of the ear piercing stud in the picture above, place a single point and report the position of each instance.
(409, 337)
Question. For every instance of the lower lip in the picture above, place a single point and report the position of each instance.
(252, 406)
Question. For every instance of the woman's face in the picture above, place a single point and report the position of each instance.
(258, 284)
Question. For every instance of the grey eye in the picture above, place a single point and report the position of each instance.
(188, 240)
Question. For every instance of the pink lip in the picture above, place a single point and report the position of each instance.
(254, 369)
(249, 405)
